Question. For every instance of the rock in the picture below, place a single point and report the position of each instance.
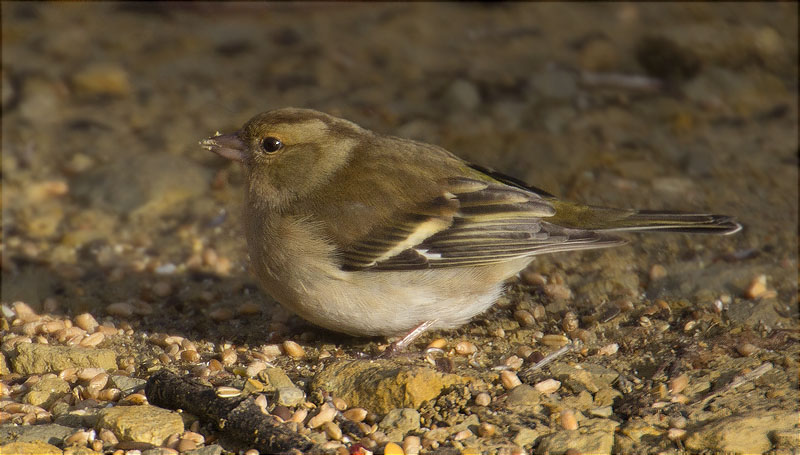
(383, 385)
(523, 395)
(127, 384)
(3, 365)
(275, 378)
(584, 376)
(30, 448)
(29, 358)
(79, 418)
(289, 396)
(46, 391)
(441, 434)
(213, 449)
(146, 423)
(748, 433)
(462, 94)
(599, 55)
(49, 433)
(145, 187)
(398, 422)
(41, 101)
(526, 436)
(102, 79)
(594, 436)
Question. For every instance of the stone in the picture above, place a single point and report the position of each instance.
(29, 358)
(46, 391)
(749, 433)
(275, 378)
(79, 418)
(526, 436)
(289, 396)
(523, 395)
(383, 385)
(213, 449)
(145, 423)
(463, 94)
(127, 384)
(583, 376)
(594, 436)
(50, 433)
(30, 448)
(398, 422)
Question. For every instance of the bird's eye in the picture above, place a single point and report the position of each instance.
(271, 144)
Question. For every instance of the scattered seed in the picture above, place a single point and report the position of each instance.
(190, 356)
(524, 318)
(299, 416)
(24, 312)
(509, 379)
(355, 414)
(547, 386)
(185, 445)
(112, 394)
(220, 314)
(85, 374)
(108, 437)
(162, 288)
(227, 392)
(339, 403)
(93, 340)
(326, 414)
(248, 309)
(87, 322)
(555, 340)
(513, 362)
(332, 430)
(570, 322)
(438, 343)
(557, 291)
(533, 278)
(134, 399)
(293, 349)
(568, 420)
(461, 435)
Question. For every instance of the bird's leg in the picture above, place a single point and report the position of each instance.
(408, 338)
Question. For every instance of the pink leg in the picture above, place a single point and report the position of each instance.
(409, 338)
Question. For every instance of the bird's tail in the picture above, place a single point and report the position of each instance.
(578, 216)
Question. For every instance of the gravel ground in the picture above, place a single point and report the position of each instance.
(124, 254)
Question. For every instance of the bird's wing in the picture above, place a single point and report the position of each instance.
(475, 221)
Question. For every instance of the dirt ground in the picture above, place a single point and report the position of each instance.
(109, 206)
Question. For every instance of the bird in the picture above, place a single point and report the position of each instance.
(374, 235)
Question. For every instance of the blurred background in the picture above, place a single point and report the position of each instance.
(688, 106)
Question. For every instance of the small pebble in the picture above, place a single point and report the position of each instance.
(185, 445)
(412, 445)
(609, 349)
(547, 386)
(678, 384)
(461, 435)
(675, 434)
(466, 348)
(757, 287)
(190, 355)
(509, 379)
(746, 349)
(570, 322)
(483, 399)
(486, 430)
(293, 349)
(162, 288)
(228, 357)
(533, 278)
(248, 309)
(438, 343)
(568, 420)
(220, 314)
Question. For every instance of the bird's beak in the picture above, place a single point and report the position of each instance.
(225, 145)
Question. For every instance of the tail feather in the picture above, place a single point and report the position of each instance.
(613, 220)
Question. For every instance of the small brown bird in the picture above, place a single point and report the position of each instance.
(376, 235)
